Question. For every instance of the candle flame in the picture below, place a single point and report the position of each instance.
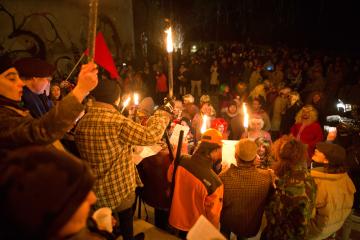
(126, 103)
(204, 124)
(136, 99)
(169, 42)
(246, 116)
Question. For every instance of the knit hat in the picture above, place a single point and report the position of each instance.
(5, 63)
(335, 154)
(246, 150)
(40, 190)
(34, 67)
(147, 106)
(107, 91)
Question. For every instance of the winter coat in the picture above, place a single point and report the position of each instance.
(334, 200)
(18, 128)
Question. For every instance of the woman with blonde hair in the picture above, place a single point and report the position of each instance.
(307, 129)
(256, 124)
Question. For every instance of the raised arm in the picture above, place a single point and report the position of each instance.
(18, 129)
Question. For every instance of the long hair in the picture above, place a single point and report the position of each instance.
(288, 153)
(313, 114)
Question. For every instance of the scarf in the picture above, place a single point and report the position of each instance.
(4, 101)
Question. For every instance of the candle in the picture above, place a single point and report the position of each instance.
(136, 99)
(170, 49)
(204, 124)
(246, 117)
(126, 103)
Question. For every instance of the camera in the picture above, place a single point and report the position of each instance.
(346, 121)
(270, 68)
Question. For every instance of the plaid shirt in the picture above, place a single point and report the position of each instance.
(105, 139)
(246, 190)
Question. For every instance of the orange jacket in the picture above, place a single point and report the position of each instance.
(198, 191)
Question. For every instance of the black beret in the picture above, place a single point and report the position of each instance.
(107, 91)
(5, 63)
(34, 67)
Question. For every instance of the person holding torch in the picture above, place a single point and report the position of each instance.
(106, 140)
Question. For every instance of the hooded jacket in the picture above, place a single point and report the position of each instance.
(334, 200)
(198, 191)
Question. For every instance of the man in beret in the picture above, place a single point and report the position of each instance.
(335, 190)
(18, 128)
(36, 74)
(246, 190)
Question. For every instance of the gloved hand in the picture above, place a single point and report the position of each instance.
(169, 104)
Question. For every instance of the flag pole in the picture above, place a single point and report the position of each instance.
(93, 5)
(77, 64)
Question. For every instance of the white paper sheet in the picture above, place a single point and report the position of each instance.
(228, 152)
(174, 139)
(204, 230)
(142, 152)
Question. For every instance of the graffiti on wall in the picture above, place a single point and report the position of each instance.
(40, 35)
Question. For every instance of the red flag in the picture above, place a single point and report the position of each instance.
(103, 56)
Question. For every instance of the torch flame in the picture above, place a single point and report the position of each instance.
(246, 116)
(204, 124)
(169, 42)
(136, 99)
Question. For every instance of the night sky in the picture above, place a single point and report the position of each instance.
(320, 24)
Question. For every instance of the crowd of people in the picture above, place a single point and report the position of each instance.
(67, 148)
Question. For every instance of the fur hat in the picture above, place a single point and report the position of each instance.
(40, 190)
(34, 67)
(246, 150)
(107, 91)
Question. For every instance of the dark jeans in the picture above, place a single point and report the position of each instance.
(182, 234)
(161, 219)
(126, 228)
